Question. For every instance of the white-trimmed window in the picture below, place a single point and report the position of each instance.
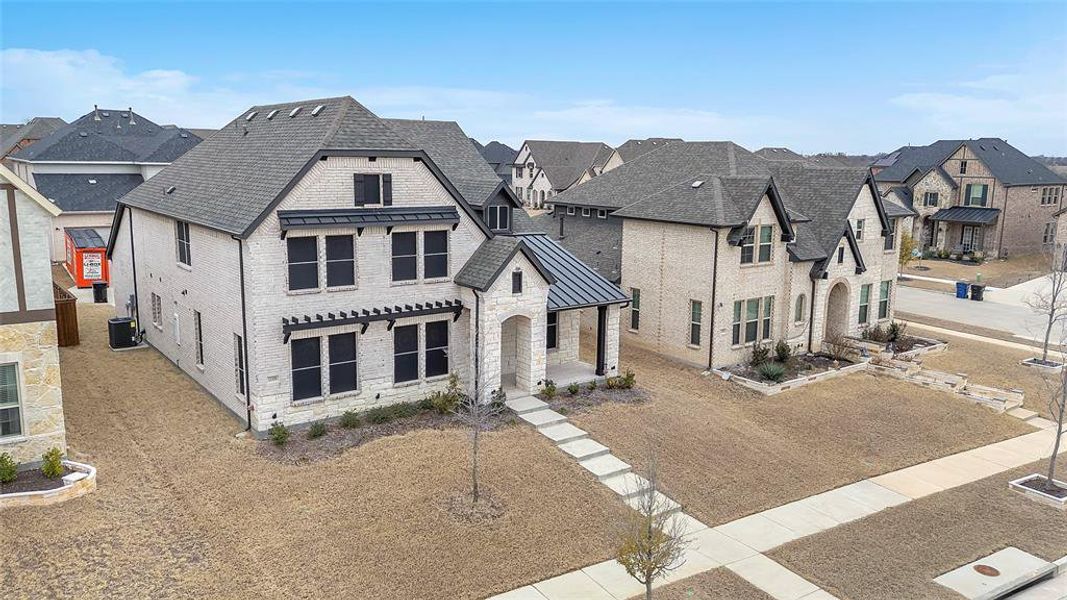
(198, 337)
(635, 309)
(883, 299)
(798, 310)
(749, 252)
(750, 317)
(1050, 196)
(498, 217)
(239, 364)
(768, 309)
(570, 211)
(10, 396)
(157, 310)
(766, 234)
(1049, 235)
(860, 225)
(585, 212)
(695, 318)
(601, 213)
(865, 302)
(185, 251)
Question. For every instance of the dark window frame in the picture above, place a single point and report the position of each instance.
(11, 426)
(239, 366)
(552, 330)
(635, 309)
(298, 270)
(437, 352)
(183, 238)
(516, 282)
(411, 260)
(305, 368)
(343, 365)
(885, 288)
(403, 358)
(696, 317)
(335, 266)
(430, 268)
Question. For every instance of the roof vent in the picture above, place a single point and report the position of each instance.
(92, 182)
(251, 116)
(697, 183)
(317, 110)
(271, 114)
(83, 134)
(132, 122)
(170, 190)
(125, 115)
(293, 112)
(183, 134)
(106, 114)
(96, 112)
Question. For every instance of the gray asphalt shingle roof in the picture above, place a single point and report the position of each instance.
(564, 162)
(631, 149)
(1003, 160)
(490, 259)
(36, 128)
(777, 153)
(107, 135)
(86, 192)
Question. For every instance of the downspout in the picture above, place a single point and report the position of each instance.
(133, 260)
(477, 343)
(811, 316)
(714, 307)
(244, 334)
(1003, 219)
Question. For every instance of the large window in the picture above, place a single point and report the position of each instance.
(198, 337)
(342, 362)
(930, 199)
(748, 245)
(239, 364)
(883, 299)
(435, 254)
(635, 309)
(185, 252)
(751, 320)
(1050, 195)
(373, 189)
(498, 217)
(307, 368)
(695, 316)
(751, 316)
(768, 308)
(865, 302)
(340, 260)
(798, 310)
(303, 263)
(749, 253)
(552, 330)
(10, 414)
(405, 256)
(975, 194)
(436, 348)
(860, 225)
(1049, 235)
(405, 353)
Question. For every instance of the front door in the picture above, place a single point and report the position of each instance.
(968, 238)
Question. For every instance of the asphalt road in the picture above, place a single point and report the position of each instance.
(1013, 318)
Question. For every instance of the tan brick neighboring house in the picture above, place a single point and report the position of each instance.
(722, 249)
(979, 196)
(15, 137)
(31, 399)
(545, 168)
(631, 149)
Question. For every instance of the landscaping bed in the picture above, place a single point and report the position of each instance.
(798, 366)
(774, 376)
(583, 397)
(33, 480)
(1038, 487)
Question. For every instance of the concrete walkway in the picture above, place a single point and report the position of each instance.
(739, 545)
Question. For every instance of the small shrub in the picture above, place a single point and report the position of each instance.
(445, 402)
(426, 403)
(629, 379)
(760, 354)
(9, 469)
(563, 410)
(350, 419)
(316, 430)
(52, 467)
(550, 389)
(592, 385)
(497, 399)
(875, 333)
(771, 371)
(783, 351)
(896, 331)
(838, 347)
(613, 383)
(279, 433)
(574, 388)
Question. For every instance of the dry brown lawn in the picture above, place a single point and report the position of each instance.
(998, 273)
(897, 553)
(183, 509)
(725, 452)
(716, 584)
(948, 288)
(990, 364)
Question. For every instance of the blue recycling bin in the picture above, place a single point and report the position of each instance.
(961, 289)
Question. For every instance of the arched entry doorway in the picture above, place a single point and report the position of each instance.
(836, 311)
(516, 362)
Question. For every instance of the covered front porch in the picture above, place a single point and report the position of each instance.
(964, 230)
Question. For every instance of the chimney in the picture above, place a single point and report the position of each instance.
(132, 122)
(96, 112)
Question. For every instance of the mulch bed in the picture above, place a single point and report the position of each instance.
(32, 481)
(301, 450)
(565, 402)
(1037, 362)
(799, 365)
(1039, 483)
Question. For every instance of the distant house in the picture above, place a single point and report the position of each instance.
(499, 156)
(631, 149)
(15, 137)
(546, 168)
(31, 397)
(979, 196)
(86, 166)
(779, 154)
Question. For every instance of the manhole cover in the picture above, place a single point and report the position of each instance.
(986, 570)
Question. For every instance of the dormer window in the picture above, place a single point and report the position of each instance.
(963, 167)
(373, 189)
(859, 228)
(498, 217)
(749, 253)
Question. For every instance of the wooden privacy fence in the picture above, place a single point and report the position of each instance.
(66, 316)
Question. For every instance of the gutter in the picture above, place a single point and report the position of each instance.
(244, 333)
(811, 317)
(133, 261)
(714, 306)
(477, 343)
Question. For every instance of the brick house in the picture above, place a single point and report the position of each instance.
(979, 196)
(31, 397)
(631, 149)
(310, 258)
(15, 137)
(721, 249)
(546, 168)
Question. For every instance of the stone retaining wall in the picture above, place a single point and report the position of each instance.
(76, 484)
(770, 389)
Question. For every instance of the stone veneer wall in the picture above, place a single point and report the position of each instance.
(33, 347)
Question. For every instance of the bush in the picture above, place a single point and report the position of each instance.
(574, 388)
(760, 354)
(9, 469)
(771, 371)
(621, 382)
(52, 467)
(316, 430)
(838, 347)
(279, 433)
(550, 389)
(445, 402)
(783, 351)
(629, 379)
(875, 333)
(350, 419)
(896, 331)
(592, 385)
(392, 412)
(497, 399)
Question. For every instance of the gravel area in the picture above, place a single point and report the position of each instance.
(725, 452)
(898, 552)
(997, 273)
(716, 584)
(185, 510)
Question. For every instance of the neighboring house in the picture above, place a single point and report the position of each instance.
(779, 154)
(546, 168)
(721, 249)
(631, 149)
(500, 157)
(86, 166)
(980, 197)
(310, 258)
(31, 399)
(15, 137)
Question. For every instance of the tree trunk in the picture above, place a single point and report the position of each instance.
(474, 466)
(1048, 332)
(648, 589)
(1059, 435)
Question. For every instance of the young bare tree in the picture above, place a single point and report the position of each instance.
(907, 250)
(478, 417)
(1051, 300)
(651, 542)
(1057, 406)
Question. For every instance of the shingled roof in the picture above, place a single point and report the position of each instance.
(564, 162)
(106, 135)
(86, 192)
(631, 149)
(1003, 160)
(36, 128)
(776, 154)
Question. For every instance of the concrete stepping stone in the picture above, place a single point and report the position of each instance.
(1021, 413)
(613, 577)
(838, 506)
(524, 593)
(562, 433)
(872, 495)
(525, 404)
(575, 585)
(720, 547)
(905, 483)
(604, 467)
(1012, 569)
(819, 594)
(800, 518)
(758, 532)
(626, 485)
(584, 448)
(779, 582)
(543, 418)
(686, 524)
(692, 563)
(662, 504)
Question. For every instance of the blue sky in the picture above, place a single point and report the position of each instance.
(852, 77)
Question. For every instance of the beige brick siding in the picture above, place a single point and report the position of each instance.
(33, 226)
(33, 348)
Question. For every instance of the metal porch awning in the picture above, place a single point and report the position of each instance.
(367, 217)
(366, 317)
(968, 215)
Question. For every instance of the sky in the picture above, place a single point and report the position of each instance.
(858, 77)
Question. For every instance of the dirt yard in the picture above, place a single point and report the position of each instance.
(183, 509)
(897, 553)
(725, 452)
(990, 364)
(997, 273)
(716, 584)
